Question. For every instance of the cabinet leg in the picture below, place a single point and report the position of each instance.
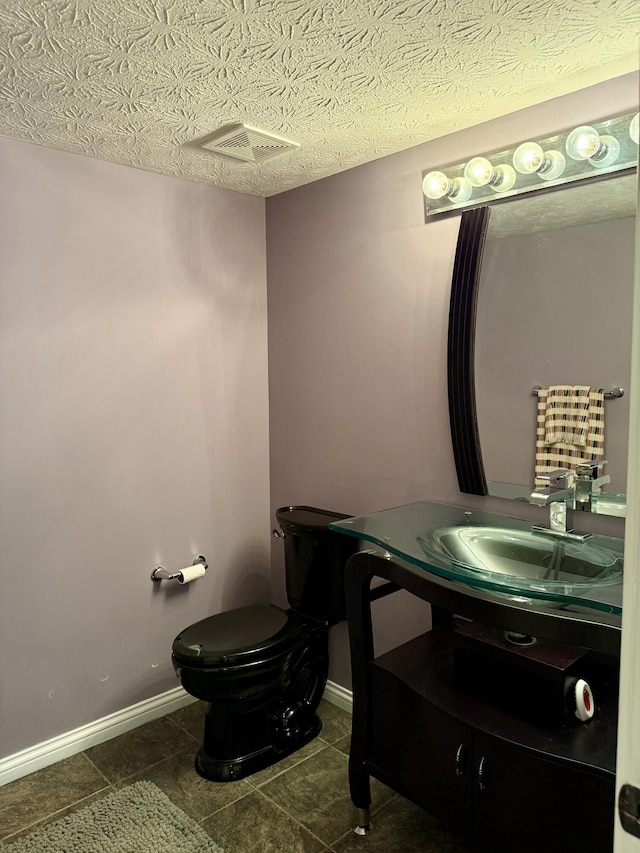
(360, 785)
(363, 824)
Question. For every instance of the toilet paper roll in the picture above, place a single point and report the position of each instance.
(191, 573)
(585, 705)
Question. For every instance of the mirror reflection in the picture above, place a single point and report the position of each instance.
(554, 307)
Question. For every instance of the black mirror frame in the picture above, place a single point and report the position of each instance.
(461, 351)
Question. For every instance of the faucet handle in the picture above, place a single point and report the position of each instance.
(561, 478)
(587, 470)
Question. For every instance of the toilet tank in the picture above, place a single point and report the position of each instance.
(315, 558)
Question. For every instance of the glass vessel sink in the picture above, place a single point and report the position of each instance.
(532, 560)
(498, 553)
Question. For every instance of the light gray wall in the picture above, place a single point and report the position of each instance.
(358, 302)
(133, 428)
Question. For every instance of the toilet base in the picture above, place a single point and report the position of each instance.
(232, 769)
(268, 718)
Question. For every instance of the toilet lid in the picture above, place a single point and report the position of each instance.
(238, 636)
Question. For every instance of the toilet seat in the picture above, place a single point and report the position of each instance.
(242, 636)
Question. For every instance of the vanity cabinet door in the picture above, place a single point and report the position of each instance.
(528, 803)
(421, 751)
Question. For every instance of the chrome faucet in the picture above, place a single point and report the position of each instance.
(587, 483)
(560, 497)
(561, 487)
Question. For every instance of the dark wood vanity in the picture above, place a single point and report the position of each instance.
(504, 777)
(479, 733)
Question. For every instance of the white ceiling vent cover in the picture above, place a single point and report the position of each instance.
(247, 143)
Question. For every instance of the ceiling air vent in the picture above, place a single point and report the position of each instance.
(247, 143)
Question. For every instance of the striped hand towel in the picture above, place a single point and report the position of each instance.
(566, 418)
(558, 454)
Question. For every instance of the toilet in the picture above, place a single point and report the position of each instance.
(262, 670)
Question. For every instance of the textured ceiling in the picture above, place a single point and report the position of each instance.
(135, 81)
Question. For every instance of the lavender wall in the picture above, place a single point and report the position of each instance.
(134, 428)
(358, 301)
(133, 414)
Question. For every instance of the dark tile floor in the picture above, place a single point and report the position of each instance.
(301, 805)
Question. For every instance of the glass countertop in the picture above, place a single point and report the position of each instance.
(488, 551)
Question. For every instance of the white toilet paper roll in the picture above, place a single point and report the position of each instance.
(191, 573)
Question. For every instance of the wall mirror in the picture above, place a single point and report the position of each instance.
(542, 295)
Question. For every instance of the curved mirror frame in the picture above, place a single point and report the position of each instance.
(461, 351)
(461, 372)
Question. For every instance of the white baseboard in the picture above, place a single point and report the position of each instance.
(339, 696)
(70, 743)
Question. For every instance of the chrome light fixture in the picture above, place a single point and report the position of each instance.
(439, 185)
(585, 152)
(585, 143)
(481, 172)
(530, 158)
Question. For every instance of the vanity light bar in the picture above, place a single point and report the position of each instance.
(584, 152)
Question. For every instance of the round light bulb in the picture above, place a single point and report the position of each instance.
(436, 185)
(479, 171)
(634, 129)
(528, 157)
(607, 153)
(582, 143)
(552, 166)
(462, 190)
(505, 179)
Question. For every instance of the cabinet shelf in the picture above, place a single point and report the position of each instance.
(425, 666)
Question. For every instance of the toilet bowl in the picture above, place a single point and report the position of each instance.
(262, 670)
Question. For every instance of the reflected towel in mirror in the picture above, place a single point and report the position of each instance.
(557, 454)
(566, 418)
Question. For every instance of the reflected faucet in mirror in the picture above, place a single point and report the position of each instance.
(568, 490)
(587, 482)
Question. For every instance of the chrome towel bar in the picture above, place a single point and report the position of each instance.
(608, 395)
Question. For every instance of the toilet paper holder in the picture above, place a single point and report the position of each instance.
(162, 574)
